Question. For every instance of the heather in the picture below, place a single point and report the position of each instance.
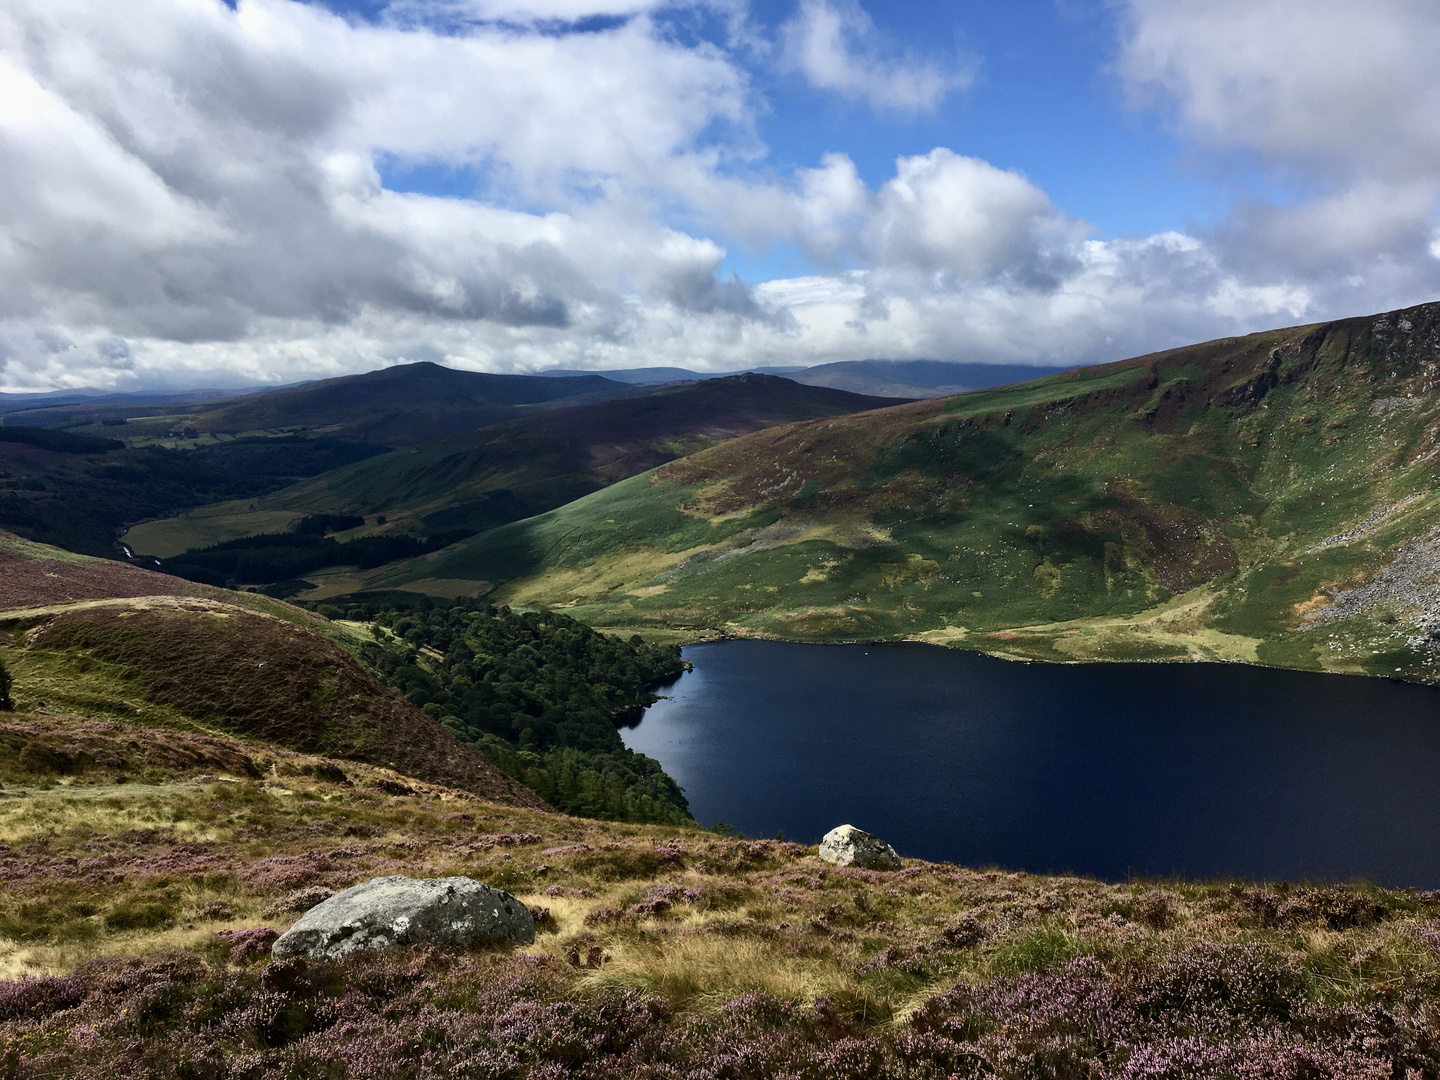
(539, 693)
(206, 666)
(1204, 1012)
(136, 918)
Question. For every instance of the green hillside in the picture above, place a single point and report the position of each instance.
(518, 468)
(1266, 499)
(77, 473)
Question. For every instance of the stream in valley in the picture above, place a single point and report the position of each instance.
(1199, 770)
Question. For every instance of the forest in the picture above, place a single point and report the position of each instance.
(277, 557)
(539, 693)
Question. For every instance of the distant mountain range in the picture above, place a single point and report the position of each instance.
(10, 403)
(1268, 498)
(176, 454)
(511, 470)
(883, 378)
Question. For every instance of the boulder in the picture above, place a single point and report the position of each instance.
(849, 846)
(393, 912)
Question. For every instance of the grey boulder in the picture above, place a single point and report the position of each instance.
(849, 846)
(393, 912)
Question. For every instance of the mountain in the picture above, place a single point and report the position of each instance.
(884, 378)
(401, 405)
(103, 641)
(518, 468)
(43, 409)
(648, 375)
(1268, 498)
(919, 378)
(159, 455)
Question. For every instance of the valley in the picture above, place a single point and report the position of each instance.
(188, 768)
(506, 471)
(1221, 501)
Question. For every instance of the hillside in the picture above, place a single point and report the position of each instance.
(96, 639)
(918, 378)
(1267, 499)
(518, 468)
(76, 474)
(401, 405)
(76, 490)
(145, 881)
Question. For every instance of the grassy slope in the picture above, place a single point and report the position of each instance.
(1180, 505)
(518, 468)
(80, 500)
(666, 951)
(107, 641)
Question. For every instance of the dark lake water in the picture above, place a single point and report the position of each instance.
(1199, 770)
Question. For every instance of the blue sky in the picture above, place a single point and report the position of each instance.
(243, 191)
(1043, 100)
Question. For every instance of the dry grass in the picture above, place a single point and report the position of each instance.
(93, 868)
(103, 870)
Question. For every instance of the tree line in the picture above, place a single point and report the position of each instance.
(539, 693)
(270, 557)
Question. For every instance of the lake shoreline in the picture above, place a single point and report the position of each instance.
(1178, 771)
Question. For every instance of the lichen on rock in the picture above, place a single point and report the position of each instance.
(848, 846)
(398, 911)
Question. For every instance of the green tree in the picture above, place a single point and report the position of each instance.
(5, 703)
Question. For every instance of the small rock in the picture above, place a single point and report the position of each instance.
(849, 846)
(393, 912)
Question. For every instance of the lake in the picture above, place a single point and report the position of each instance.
(1199, 770)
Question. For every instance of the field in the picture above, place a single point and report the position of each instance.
(1267, 499)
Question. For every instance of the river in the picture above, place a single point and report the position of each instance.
(1198, 770)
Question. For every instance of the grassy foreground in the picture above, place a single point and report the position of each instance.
(142, 893)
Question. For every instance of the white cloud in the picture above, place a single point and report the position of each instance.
(836, 46)
(1351, 84)
(195, 196)
(452, 12)
(959, 218)
(1335, 101)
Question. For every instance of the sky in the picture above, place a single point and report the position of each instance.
(203, 193)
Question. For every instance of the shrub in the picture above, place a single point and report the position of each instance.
(36, 998)
(246, 946)
(144, 913)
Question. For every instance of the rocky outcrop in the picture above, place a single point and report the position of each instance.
(849, 846)
(393, 912)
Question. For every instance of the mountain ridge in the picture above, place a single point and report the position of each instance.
(87, 638)
(1177, 505)
(519, 467)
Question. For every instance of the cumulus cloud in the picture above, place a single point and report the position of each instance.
(836, 46)
(198, 197)
(1350, 83)
(961, 219)
(1337, 102)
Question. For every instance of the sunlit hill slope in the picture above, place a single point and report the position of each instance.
(1266, 498)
